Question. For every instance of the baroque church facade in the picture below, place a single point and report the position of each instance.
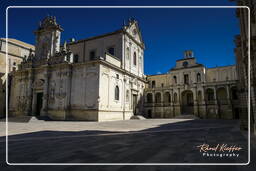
(102, 78)
(99, 79)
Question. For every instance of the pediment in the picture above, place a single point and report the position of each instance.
(133, 30)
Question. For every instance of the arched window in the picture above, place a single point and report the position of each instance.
(210, 94)
(167, 97)
(158, 98)
(186, 79)
(134, 58)
(153, 84)
(149, 98)
(117, 93)
(174, 79)
(198, 77)
(221, 94)
(175, 97)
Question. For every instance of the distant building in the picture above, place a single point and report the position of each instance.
(241, 52)
(99, 78)
(17, 51)
(191, 88)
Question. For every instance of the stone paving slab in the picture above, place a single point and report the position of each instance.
(15, 128)
(146, 141)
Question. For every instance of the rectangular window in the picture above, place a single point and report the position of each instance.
(153, 84)
(92, 55)
(76, 58)
(186, 80)
(111, 51)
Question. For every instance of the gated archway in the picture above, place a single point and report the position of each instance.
(187, 102)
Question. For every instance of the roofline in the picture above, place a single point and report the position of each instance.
(185, 59)
(156, 74)
(222, 66)
(96, 37)
(198, 65)
(109, 34)
(19, 45)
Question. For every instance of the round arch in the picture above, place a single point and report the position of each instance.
(149, 98)
(187, 101)
(167, 97)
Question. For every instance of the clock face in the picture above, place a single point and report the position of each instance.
(185, 64)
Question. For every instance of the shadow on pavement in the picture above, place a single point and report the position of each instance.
(166, 143)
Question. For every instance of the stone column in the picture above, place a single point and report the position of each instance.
(30, 93)
(172, 102)
(229, 103)
(195, 98)
(33, 103)
(216, 104)
(45, 91)
(228, 95)
(153, 103)
(179, 101)
(162, 104)
(204, 104)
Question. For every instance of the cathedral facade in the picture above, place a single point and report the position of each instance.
(191, 88)
(100, 78)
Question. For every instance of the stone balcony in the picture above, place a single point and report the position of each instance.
(112, 59)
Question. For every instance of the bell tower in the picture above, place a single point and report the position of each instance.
(188, 54)
(47, 38)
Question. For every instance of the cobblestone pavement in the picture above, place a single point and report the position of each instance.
(132, 141)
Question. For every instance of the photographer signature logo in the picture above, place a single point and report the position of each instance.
(219, 150)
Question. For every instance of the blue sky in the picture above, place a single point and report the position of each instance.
(166, 32)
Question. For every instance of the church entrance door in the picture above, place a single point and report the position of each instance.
(187, 107)
(134, 103)
(39, 103)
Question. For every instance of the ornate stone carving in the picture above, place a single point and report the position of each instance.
(38, 83)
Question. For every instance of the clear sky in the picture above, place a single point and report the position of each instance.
(166, 32)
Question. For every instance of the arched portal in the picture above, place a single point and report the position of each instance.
(187, 102)
(222, 95)
(167, 97)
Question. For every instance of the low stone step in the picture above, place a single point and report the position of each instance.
(186, 117)
(138, 117)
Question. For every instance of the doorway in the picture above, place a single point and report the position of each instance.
(134, 103)
(39, 103)
(187, 102)
(149, 114)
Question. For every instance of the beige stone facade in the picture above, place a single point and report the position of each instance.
(243, 71)
(17, 51)
(191, 88)
(99, 78)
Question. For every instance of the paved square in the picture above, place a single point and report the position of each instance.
(130, 141)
